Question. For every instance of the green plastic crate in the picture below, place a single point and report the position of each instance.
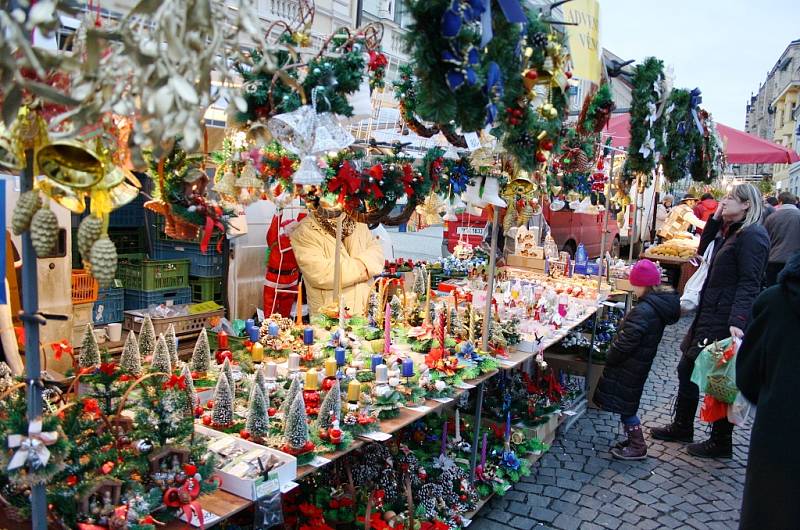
(206, 289)
(154, 275)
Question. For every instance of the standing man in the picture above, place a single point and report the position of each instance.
(783, 227)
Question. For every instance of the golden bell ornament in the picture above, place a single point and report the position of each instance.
(122, 194)
(71, 164)
(72, 200)
(8, 157)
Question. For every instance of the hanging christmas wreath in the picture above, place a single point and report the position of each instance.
(596, 111)
(405, 93)
(647, 125)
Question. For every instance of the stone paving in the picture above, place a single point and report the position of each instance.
(579, 485)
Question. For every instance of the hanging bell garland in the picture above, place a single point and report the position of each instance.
(27, 205)
(44, 231)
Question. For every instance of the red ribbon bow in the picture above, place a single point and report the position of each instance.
(108, 368)
(91, 407)
(60, 348)
(377, 60)
(184, 498)
(175, 380)
(346, 182)
(286, 168)
(212, 222)
(408, 179)
(376, 173)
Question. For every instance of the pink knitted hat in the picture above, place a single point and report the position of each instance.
(645, 273)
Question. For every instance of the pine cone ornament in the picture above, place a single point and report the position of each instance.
(104, 261)
(89, 231)
(44, 231)
(27, 205)
(539, 39)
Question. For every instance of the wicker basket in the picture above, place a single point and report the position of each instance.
(721, 388)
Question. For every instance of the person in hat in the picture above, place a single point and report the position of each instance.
(631, 355)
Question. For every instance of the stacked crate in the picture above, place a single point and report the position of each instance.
(154, 282)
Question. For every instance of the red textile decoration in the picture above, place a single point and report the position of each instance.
(377, 60)
(376, 173)
(175, 380)
(408, 178)
(60, 348)
(108, 368)
(184, 498)
(346, 182)
(91, 407)
(713, 410)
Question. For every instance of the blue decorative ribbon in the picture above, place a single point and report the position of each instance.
(694, 102)
(493, 90)
(464, 67)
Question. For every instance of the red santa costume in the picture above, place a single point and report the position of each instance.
(282, 276)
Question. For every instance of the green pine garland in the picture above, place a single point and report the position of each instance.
(683, 138)
(645, 76)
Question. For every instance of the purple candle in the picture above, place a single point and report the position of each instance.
(444, 438)
(408, 367)
(339, 353)
(377, 360)
(387, 330)
(483, 451)
(254, 333)
(308, 336)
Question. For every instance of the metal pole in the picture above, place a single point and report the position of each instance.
(632, 232)
(487, 315)
(476, 435)
(605, 228)
(31, 320)
(359, 12)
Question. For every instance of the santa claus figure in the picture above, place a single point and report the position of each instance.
(282, 276)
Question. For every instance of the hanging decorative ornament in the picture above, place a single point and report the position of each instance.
(431, 209)
(104, 261)
(44, 231)
(71, 199)
(249, 185)
(27, 205)
(70, 163)
(89, 231)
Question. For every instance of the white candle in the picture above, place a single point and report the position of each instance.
(271, 371)
(294, 362)
(381, 374)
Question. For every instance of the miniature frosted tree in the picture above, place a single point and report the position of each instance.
(373, 311)
(90, 352)
(201, 357)
(222, 414)
(420, 283)
(296, 428)
(454, 326)
(257, 416)
(172, 345)
(294, 389)
(397, 308)
(227, 371)
(131, 360)
(259, 379)
(147, 337)
(331, 406)
(161, 361)
(190, 391)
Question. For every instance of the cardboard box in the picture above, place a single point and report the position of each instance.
(246, 488)
(536, 264)
(573, 365)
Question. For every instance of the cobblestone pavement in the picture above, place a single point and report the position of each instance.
(578, 484)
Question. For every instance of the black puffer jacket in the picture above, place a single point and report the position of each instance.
(632, 352)
(732, 285)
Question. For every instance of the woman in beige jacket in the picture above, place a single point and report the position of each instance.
(314, 244)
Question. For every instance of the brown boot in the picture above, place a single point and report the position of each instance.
(635, 449)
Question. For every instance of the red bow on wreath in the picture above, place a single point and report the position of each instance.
(377, 60)
(184, 498)
(286, 168)
(175, 380)
(213, 216)
(347, 183)
(374, 179)
(408, 179)
(60, 348)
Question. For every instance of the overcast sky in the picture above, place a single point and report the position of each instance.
(723, 47)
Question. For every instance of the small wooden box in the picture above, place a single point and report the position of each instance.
(536, 264)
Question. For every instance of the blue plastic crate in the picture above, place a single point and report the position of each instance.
(208, 265)
(109, 306)
(143, 299)
(129, 216)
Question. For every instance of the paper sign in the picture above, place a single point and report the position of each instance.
(208, 519)
(443, 399)
(465, 386)
(569, 413)
(319, 461)
(378, 436)
(473, 142)
(507, 363)
(289, 486)
(420, 408)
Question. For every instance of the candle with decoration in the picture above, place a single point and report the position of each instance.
(257, 352)
(353, 391)
(299, 308)
(387, 330)
(340, 355)
(376, 361)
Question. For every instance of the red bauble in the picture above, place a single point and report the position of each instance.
(206, 420)
(198, 411)
(532, 74)
(541, 157)
(210, 404)
(568, 74)
(72, 480)
(272, 411)
(546, 144)
(189, 469)
(323, 434)
(244, 435)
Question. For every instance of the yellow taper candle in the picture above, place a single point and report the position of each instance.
(299, 320)
(312, 379)
(330, 367)
(257, 353)
(353, 391)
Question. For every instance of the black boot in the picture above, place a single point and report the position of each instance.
(682, 427)
(719, 445)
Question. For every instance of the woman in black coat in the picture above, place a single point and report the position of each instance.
(741, 247)
(767, 372)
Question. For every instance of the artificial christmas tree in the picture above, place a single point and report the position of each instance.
(257, 414)
(331, 408)
(190, 391)
(172, 346)
(222, 413)
(90, 352)
(227, 371)
(147, 337)
(131, 360)
(260, 380)
(201, 357)
(294, 389)
(161, 361)
(420, 282)
(296, 428)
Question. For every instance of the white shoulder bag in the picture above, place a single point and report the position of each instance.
(690, 298)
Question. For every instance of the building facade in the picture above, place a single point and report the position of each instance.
(772, 114)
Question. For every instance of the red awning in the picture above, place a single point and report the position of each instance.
(740, 147)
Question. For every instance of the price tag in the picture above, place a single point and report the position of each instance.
(378, 436)
(208, 519)
(507, 363)
(443, 399)
(465, 522)
(465, 386)
(319, 461)
(569, 413)
(473, 142)
(420, 408)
